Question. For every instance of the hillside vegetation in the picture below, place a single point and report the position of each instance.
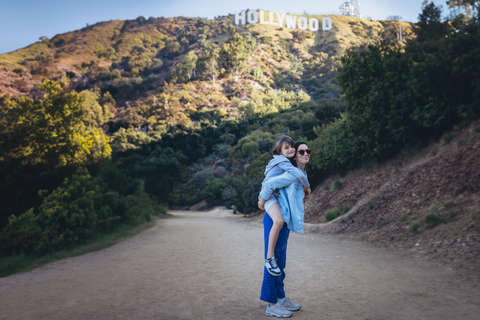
(104, 126)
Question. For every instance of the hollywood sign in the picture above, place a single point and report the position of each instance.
(291, 22)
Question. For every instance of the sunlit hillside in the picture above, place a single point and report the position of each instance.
(135, 60)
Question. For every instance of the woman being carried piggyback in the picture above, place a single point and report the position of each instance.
(283, 152)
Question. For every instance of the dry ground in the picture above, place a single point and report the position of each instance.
(208, 265)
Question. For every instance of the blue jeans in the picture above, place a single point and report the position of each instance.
(273, 287)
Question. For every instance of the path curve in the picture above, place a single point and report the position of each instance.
(208, 265)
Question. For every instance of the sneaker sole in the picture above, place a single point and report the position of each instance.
(274, 274)
(293, 309)
(277, 315)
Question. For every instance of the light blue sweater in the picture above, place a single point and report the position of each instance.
(280, 164)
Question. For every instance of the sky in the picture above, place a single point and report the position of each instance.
(23, 22)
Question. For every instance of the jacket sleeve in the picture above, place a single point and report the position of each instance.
(287, 166)
(279, 182)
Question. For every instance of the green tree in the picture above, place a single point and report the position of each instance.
(213, 190)
(208, 62)
(296, 63)
(467, 5)
(172, 48)
(185, 68)
(429, 26)
(98, 108)
(52, 131)
(235, 52)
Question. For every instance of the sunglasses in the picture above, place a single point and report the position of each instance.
(302, 152)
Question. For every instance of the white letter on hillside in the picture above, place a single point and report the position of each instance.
(270, 16)
(280, 18)
(291, 21)
(302, 23)
(262, 17)
(313, 24)
(252, 19)
(324, 23)
(240, 16)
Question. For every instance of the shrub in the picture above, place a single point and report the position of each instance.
(415, 227)
(20, 71)
(332, 214)
(213, 190)
(80, 208)
(336, 185)
(346, 208)
(432, 220)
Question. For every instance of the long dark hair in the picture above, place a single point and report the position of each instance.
(298, 144)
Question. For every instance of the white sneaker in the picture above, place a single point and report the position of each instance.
(289, 305)
(272, 267)
(278, 310)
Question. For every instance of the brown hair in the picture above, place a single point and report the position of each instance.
(277, 149)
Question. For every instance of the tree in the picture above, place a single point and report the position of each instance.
(235, 52)
(213, 190)
(209, 62)
(429, 25)
(202, 40)
(50, 131)
(98, 110)
(466, 5)
(185, 68)
(296, 63)
(172, 48)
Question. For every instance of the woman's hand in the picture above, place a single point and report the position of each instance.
(307, 191)
(261, 203)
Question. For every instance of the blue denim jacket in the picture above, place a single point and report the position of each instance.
(290, 199)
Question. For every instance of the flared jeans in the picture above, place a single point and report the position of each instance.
(273, 287)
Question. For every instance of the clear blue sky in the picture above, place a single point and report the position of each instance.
(22, 22)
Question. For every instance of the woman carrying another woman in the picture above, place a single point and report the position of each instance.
(290, 200)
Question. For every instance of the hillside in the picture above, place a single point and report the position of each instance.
(132, 60)
(425, 203)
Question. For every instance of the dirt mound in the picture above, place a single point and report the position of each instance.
(427, 204)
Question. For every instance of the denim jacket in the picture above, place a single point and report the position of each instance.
(290, 199)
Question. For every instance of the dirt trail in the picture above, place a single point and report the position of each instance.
(208, 265)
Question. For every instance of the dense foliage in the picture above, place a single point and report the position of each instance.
(398, 96)
(49, 199)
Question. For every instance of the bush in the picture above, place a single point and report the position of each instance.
(432, 220)
(80, 208)
(213, 190)
(332, 214)
(336, 185)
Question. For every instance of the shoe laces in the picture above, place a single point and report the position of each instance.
(273, 262)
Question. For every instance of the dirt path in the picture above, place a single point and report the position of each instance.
(198, 265)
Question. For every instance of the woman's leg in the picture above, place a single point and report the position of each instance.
(276, 216)
(273, 287)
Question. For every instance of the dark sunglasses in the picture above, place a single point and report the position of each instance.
(302, 152)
